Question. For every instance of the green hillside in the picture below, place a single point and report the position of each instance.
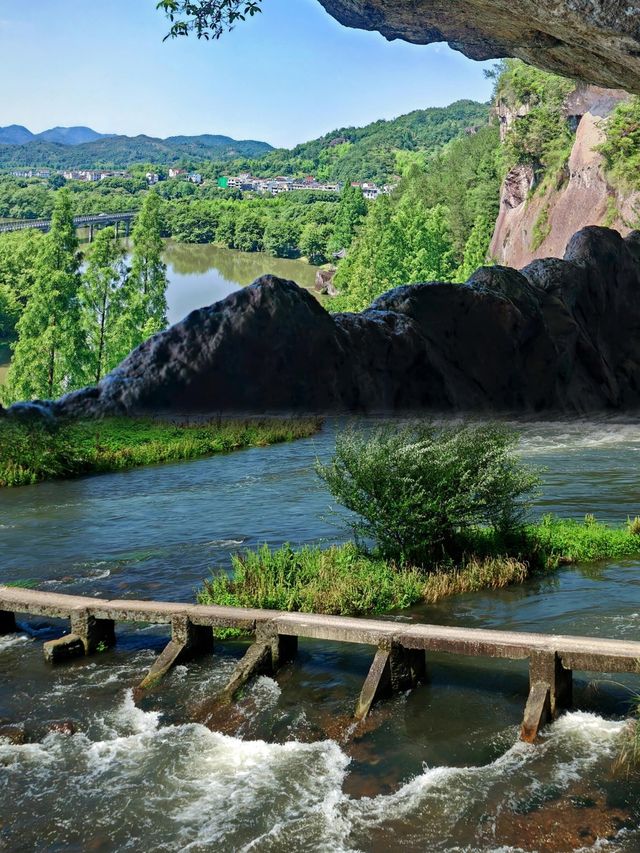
(371, 152)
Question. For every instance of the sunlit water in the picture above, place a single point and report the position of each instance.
(202, 274)
(437, 769)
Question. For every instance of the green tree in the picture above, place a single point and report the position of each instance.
(351, 211)
(370, 268)
(17, 253)
(49, 354)
(144, 294)
(103, 302)
(226, 233)
(281, 239)
(477, 247)
(249, 232)
(314, 242)
(424, 250)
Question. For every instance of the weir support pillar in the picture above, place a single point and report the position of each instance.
(394, 670)
(268, 653)
(550, 693)
(88, 636)
(187, 641)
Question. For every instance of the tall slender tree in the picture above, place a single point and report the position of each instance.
(50, 351)
(352, 209)
(103, 302)
(145, 302)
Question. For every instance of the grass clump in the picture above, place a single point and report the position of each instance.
(344, 581)
(32, 451)
(556, 540)
(340, 580)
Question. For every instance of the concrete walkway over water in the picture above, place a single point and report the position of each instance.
(401, 648)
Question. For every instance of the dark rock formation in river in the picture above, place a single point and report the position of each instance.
(560, 335)
(593, 40)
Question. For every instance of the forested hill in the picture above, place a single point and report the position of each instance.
(119, 152)
(377, 151)
(374, 152)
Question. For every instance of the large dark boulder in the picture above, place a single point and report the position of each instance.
(593, 40)
(559, 335)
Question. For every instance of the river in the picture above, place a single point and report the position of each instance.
(203, 274)
(437, 769)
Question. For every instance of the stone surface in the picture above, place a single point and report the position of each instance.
(558, 336)
(593, 40)
(573, 653)
(578, 197)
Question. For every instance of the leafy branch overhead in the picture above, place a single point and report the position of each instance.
(209, 19)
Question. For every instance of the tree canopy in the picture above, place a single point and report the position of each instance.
(208, 19)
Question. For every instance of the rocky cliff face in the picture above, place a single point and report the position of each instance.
(540, 225)
(593, 40)
(559, 335)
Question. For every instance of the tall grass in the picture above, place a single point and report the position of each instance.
(339, 580)
(31, 451)
(344, 580)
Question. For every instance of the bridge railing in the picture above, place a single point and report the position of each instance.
(87, 219)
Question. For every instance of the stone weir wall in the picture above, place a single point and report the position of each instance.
(559, 335)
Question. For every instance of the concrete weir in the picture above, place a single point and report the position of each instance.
(398, 664)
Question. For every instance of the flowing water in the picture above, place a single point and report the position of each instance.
(202, 274)
(437, 769)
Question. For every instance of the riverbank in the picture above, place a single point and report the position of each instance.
(343, 580)
(31, 452)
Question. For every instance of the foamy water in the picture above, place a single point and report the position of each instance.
(154, 787)
(441, 770)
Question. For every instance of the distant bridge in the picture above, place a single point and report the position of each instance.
(91, 222)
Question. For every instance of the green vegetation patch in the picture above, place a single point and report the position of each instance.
(541, 134)
(435, 511)
(32, 451)
(347, 581)
(621, 150)
(569, 541)
(339, 580)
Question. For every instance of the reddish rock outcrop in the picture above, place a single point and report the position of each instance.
(540, 225)
(559, 335)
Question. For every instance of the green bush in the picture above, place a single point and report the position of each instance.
(621, 149)
(420, 491)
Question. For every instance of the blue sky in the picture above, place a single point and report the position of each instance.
(286, 76)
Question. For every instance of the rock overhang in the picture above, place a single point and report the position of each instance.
(593, 40)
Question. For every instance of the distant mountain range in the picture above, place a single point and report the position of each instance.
(84, 148)
(16, 134)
